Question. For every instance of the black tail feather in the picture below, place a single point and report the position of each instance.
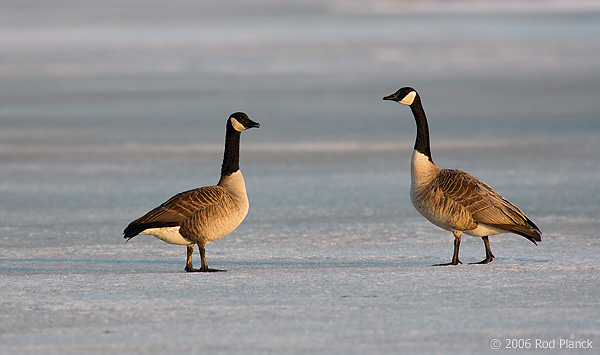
(134, 228)
(529, 231)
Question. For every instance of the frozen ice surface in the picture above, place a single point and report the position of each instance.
(107, 111)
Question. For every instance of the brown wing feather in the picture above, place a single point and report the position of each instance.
(484, 204)
(199, 220)
(176, 210)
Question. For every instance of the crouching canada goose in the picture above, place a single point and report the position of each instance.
(454, 200)
(207, 213)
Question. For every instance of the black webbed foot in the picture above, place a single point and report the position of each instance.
(213, 270)
(450, 263)
(190, 269)
(484, 261)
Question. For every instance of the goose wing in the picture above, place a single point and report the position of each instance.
(485, 205)
(177, 209)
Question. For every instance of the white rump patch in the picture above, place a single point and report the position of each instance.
(168, 234)
(483, 230)
(236, 125)
(409, 98)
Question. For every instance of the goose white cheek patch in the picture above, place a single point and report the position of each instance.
(408, 99)
(236, 125)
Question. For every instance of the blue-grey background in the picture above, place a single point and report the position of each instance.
(108, 108)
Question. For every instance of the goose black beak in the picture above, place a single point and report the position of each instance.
(252, 124)
(392, 97)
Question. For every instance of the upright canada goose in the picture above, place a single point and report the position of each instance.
(207, 213)
(454, 200)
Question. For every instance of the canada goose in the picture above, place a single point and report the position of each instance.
(454, 200)
(207, 213)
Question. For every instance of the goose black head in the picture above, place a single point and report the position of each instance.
(240, 121)
(405, 96)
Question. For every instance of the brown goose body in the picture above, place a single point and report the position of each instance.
(454, 200)
(204, 214)
(197, 216)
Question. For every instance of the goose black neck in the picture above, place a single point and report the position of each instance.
(422, 139)
(231, 156)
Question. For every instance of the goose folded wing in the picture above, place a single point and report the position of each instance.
(484, 203)
(177, 209)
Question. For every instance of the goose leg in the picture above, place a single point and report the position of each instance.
(488, 252)
(204, 267)
(455, 261)
(188, 264)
